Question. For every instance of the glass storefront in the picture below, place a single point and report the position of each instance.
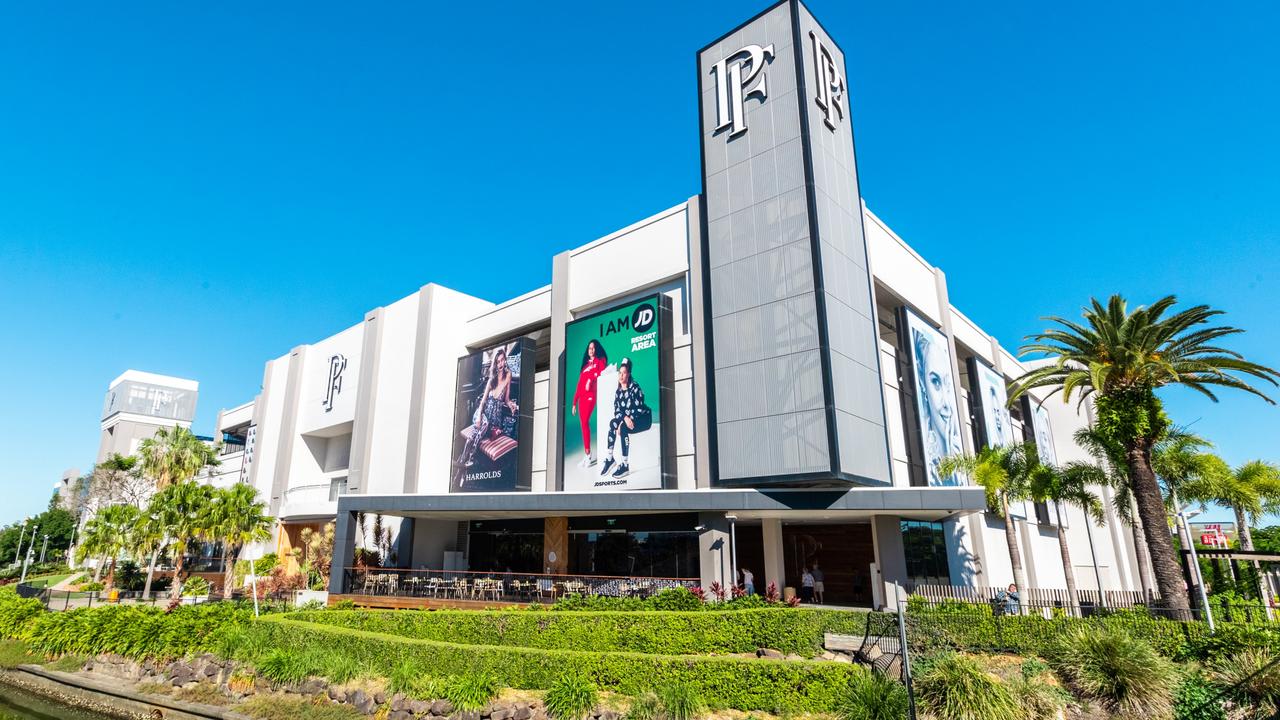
(506, 546)
(627, 545)
(925, 546)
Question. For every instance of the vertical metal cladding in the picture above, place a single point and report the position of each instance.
(796, 392)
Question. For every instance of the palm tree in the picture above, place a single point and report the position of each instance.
(184, 509)
(236, 518)
(107, 535)
(1251, 490)
(149, 537)
(1119, 359)
(175, 455)
(1005, 473)
(1114, 473)
(1069, 485)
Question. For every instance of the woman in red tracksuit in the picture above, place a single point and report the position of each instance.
(594, 361)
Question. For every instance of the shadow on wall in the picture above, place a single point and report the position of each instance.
(964, 565)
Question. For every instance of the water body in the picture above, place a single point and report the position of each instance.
(18, 704)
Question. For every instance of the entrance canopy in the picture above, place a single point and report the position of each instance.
(746, 504)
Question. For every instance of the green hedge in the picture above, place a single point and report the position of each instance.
(788, 630)
(130, 630)
(723, 682)
(978, 629)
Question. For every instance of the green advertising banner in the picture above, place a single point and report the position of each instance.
(612, 400)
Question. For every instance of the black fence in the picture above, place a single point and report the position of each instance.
(73, 599)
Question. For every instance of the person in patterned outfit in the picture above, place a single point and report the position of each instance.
(630, 416)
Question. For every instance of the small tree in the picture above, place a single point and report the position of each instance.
(107, 535)
(236, 518)
(1069, 485)
(174, 456)
(1251, 491)
(319, 550)
(149, 537)
(1005, 472)
(184, 509)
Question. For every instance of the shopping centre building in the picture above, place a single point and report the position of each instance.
(762, 376)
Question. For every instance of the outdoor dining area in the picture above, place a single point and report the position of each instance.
(461, 585)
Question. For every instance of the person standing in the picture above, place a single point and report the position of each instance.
(630, 416)
(594, 361)
(806, 586)
(1008, 601)
(818, 586)
(748, 582)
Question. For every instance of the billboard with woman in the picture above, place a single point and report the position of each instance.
(936, 402)
(613, 399)
(493, 420)
(991, 396)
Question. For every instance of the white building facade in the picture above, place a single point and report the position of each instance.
(783, 370)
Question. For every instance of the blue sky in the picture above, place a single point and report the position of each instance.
(193, 189)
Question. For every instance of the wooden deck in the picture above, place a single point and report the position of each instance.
(404, 602)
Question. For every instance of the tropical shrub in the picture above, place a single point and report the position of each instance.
(1251, 680)
(874, 697)
(287, 666)
(1123, 674)
(680, 700)
(404, 675)
(129, 630)
(956, 687)
(195, 587)
(645, 706)
(472, 690)
(1039, 700)
(1197, 699)
(666, 632)
(91, 587)
(570, 697)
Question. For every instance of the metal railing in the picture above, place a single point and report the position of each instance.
(1050, 597)
(74, 599)
(499, 586)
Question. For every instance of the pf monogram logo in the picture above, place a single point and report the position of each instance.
(738, 77)
(337, 364)
(830, 98)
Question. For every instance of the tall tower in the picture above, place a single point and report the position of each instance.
(139, 403)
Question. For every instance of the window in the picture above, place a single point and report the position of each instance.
(925, 547)
(337, 486)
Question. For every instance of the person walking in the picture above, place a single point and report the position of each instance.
(818, 586)
(806, 586)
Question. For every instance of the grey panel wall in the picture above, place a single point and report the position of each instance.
(795, 378)
(846, 280)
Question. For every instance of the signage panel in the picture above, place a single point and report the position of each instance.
(614, 437)
(991, 399)
(493, 420)
(937, 405)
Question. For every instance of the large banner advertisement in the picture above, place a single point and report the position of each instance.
(937, 404)
(992, 398)
(613, 435)
(1044, 434)
(493, 420)
(1046, 512)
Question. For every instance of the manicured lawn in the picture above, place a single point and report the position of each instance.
(47, 580)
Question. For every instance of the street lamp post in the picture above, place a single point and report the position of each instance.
(44, 546)
(17, 557)
(1195, 560)
(733, 547)
(31, 548)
